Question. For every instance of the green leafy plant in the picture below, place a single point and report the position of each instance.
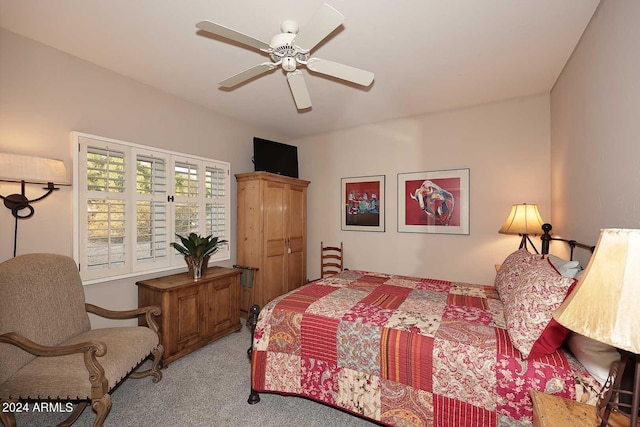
(197, 246)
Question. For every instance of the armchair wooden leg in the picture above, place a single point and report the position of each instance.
(157, 363)
(154, 371)
(7, 418)
(77, 411)
(102, 407)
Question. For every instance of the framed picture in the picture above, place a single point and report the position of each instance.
(434, 202)
(362, 204)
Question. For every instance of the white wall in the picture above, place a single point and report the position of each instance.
(595, 118)
(505, 145)
(45, 94)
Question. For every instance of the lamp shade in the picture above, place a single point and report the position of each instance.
(32, 170)
(523, 219)
(604, 304)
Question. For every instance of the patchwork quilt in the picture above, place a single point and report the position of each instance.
(405, 351)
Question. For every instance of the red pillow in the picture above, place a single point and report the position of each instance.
(553, 335)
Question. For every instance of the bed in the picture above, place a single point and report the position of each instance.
(410, 351)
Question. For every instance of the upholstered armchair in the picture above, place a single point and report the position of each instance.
(48, 350)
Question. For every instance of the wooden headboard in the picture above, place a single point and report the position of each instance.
(546, 240)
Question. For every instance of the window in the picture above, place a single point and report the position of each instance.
(132, 200)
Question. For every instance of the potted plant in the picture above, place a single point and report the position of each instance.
(197, 250)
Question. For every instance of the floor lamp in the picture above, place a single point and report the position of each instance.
(27, 170)
(604, 307)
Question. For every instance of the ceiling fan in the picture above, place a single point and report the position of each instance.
(290, 50)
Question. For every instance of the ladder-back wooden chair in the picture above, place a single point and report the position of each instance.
(330, 260)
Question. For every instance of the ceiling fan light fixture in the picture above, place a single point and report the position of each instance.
(288, 63)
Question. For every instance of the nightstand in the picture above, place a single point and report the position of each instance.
(554, 411)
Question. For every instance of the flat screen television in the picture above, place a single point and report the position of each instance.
(275, 157)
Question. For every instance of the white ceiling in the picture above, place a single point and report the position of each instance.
(427, 55)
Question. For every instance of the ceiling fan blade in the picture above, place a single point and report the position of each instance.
(228, 33)
(325, 20)
(248, 74)
(299, 89)
(341, 71)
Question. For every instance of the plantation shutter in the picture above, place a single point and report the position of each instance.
(152, 212)
(186, 190)
(216, 205)
(104, 186)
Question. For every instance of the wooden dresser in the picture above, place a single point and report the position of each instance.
(194, 313)
(272, 234)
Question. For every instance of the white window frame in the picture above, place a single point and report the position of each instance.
(173, 259)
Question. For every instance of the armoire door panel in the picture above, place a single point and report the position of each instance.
(274, 212)
(274, 278)
(297, 212)
(275, 247)
(296, 244)
(296, 263)
(296, 270)
(249, 223)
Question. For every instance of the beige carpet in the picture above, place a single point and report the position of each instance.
(208, 387)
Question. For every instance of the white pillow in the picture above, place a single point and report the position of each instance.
(595, 356)
(565, 268)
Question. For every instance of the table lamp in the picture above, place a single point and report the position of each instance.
(523, 220)
(604, 307)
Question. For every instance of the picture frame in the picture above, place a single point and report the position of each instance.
(434, 202)
(362, 203)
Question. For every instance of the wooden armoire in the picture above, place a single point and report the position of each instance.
(272, 235)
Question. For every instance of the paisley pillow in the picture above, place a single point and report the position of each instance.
(534, 296)
(508, 277)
